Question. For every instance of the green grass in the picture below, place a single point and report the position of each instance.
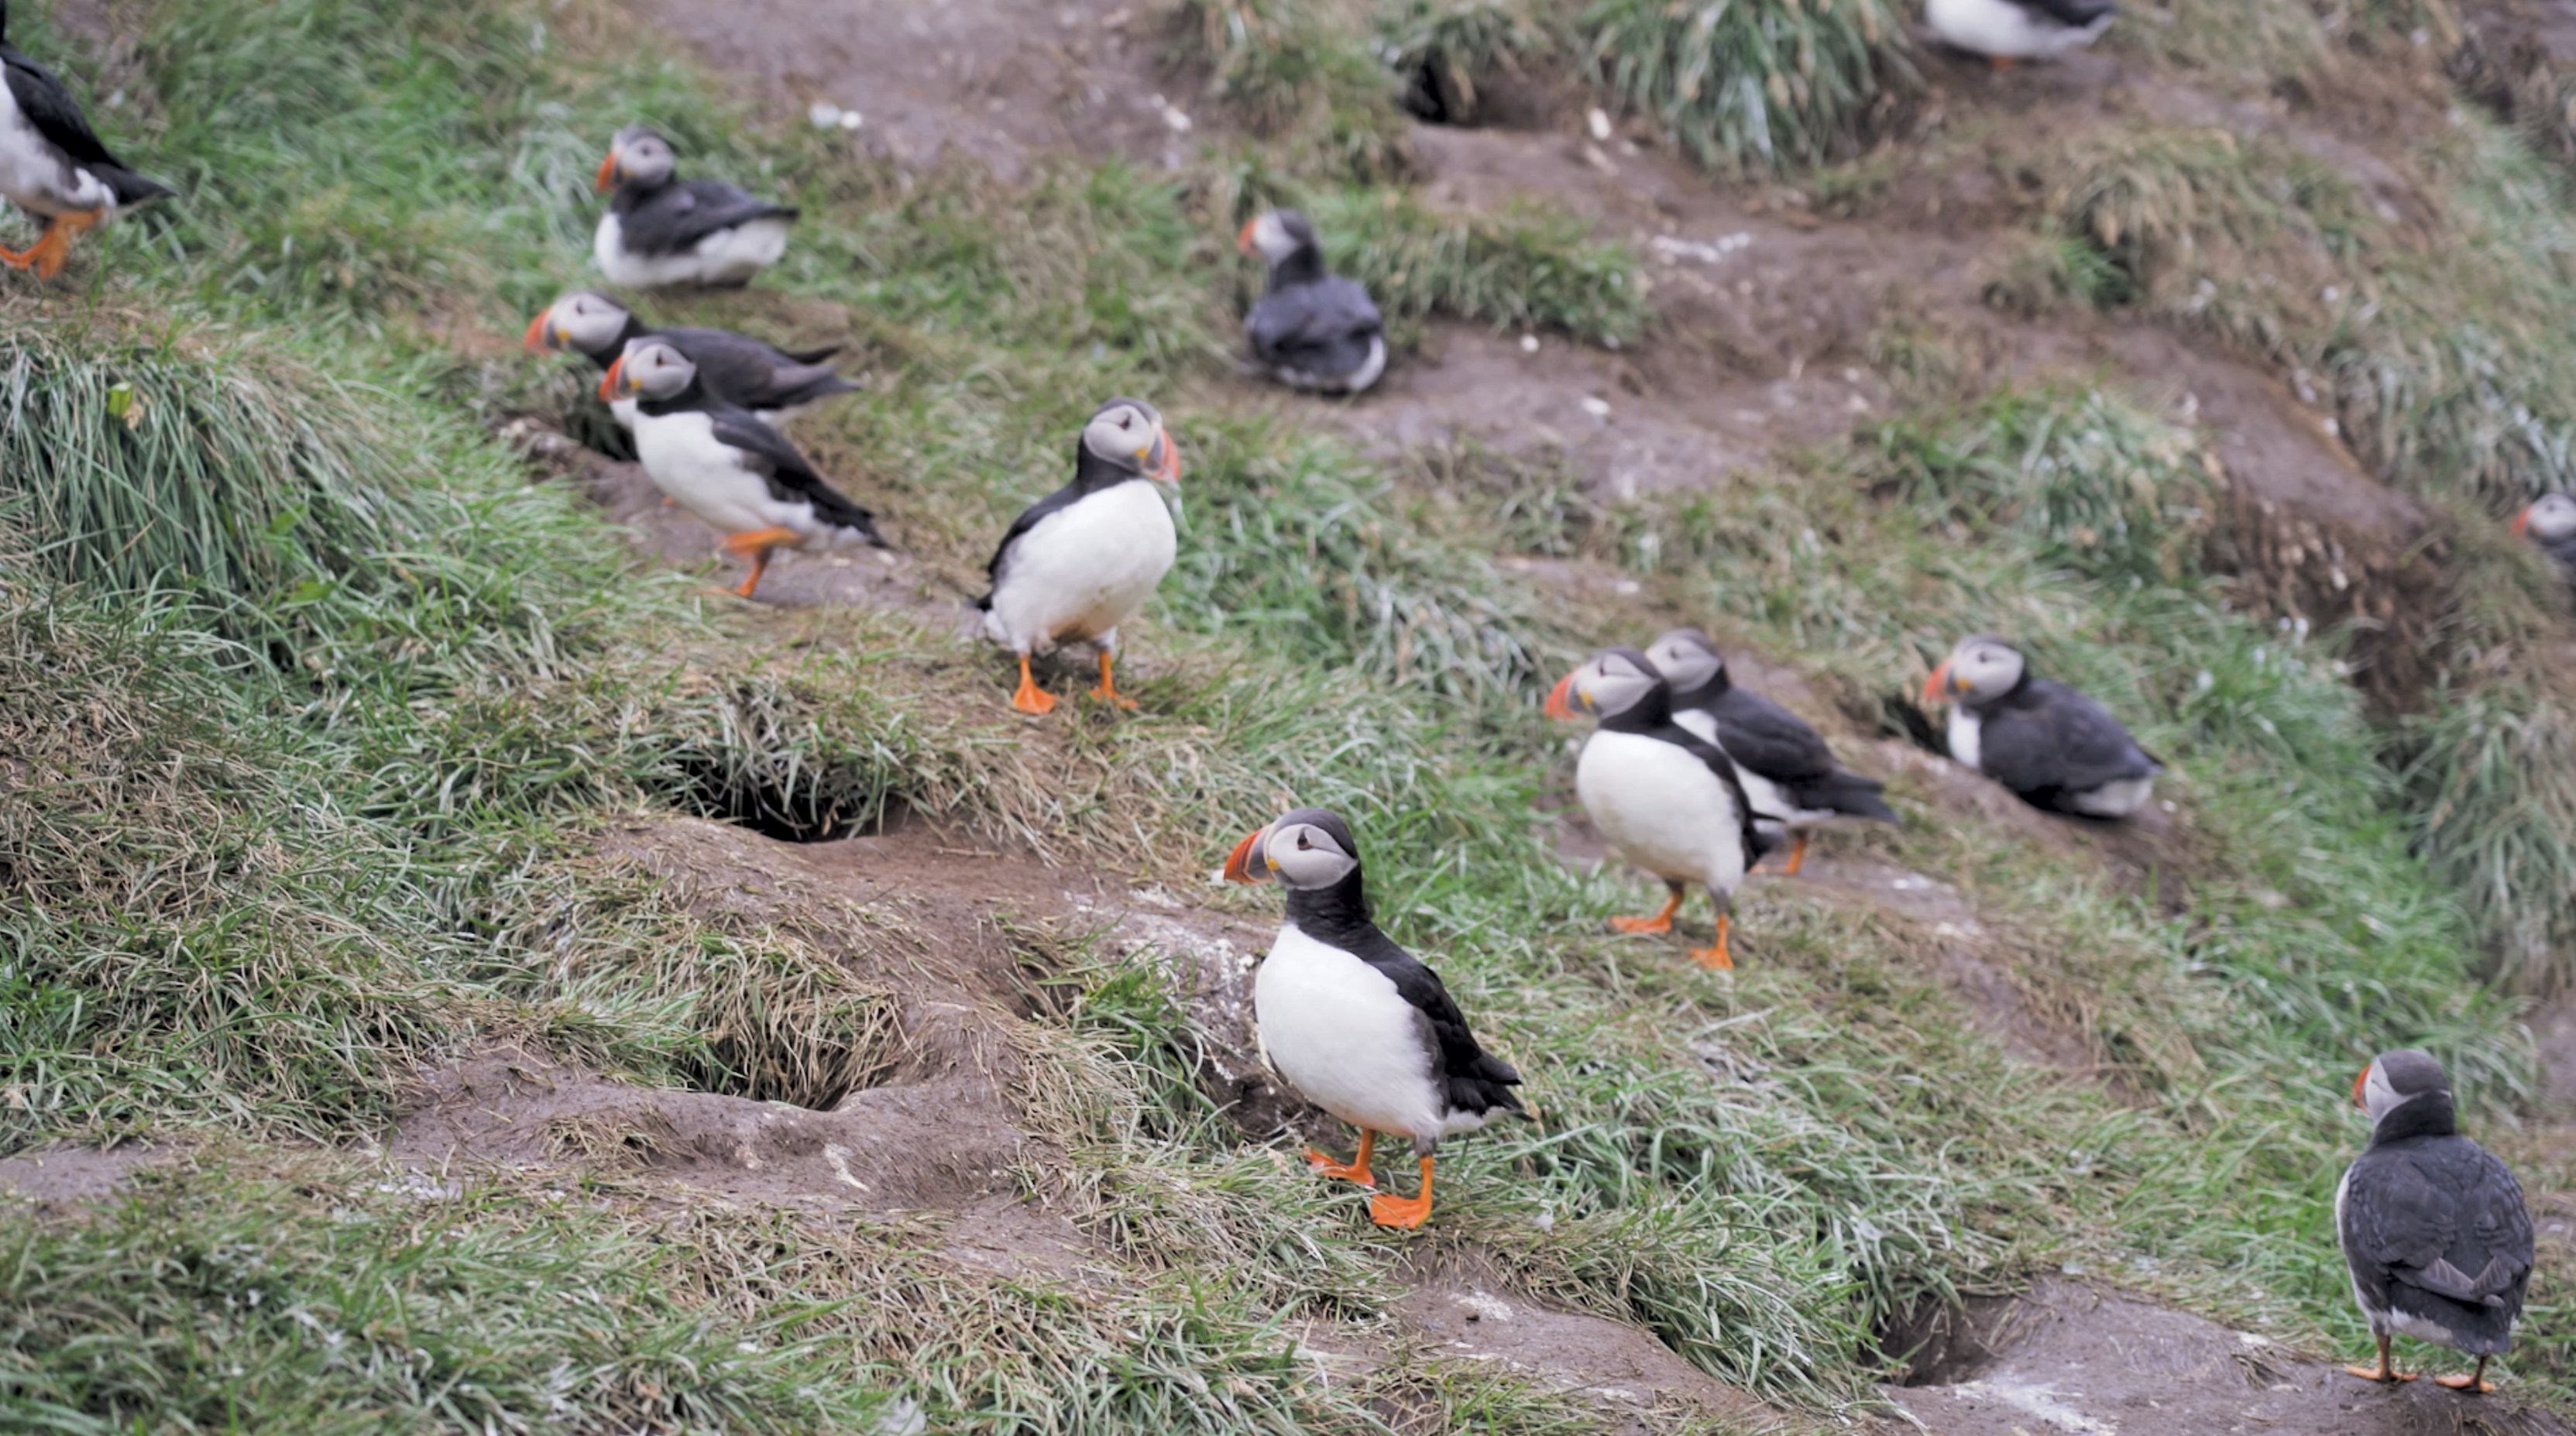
(1756, 88)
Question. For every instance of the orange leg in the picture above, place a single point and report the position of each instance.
(2386, 1372)
(1797, 855)
(1406, 1212)
(2475, 1382)
(1354, 1170)
(2000, 62)
(1107, 692)
(1031, 698)
(756, 545)
(1714, 955)
(46, 255)
(1660, 922)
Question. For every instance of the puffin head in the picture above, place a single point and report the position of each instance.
(1306, 850)
(1128, 434)
(636, 155)
(1275, 234)
(1687, 658)
(649, 369)
(1981, 669)
(2395, 1079)
(580, 320)
(1607, 684)
(2550, 518)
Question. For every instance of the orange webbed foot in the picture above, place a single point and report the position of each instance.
(2465, 1382)
(1658, 923)
(1030, 698)
(1355, 1170)
(1403, 1212)
(1715, 955)
(2380, 1373)
(1107, 692)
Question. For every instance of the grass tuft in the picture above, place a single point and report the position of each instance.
(1759, 87)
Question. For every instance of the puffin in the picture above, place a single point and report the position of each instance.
(720, 462)
(2550, 522)
(53, 165)
(2054, 747)
(773, 383)
(662, 231)
(2005, 31)
(1081, 561)
(1788, 773)
(1670, 801)
(2431, 1224)
(1354, 1022)
(1311, 328)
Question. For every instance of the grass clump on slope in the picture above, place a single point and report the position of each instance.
(1751, 88)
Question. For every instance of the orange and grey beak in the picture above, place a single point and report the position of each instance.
(1163, 460)
(538, 338)
(1936, 689)
(1557, 706)
(2522, 522)
(1239, 867)
(608, 381)
(1243, 238)
(2357, 1084)
(607, 177)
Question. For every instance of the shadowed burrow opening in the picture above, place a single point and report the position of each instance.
(778, 1026)
(761, 770)
(1900, 716)
(1932, 1341)
(1467, 80)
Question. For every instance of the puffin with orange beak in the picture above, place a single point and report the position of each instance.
(773, 383)
(2550, 522)
(661, 230)
(723, 464)
(2054, 747)
(1355, 1023)
(1081, 561)
(1669, 801)
(2432, 1226)
(1311, 329)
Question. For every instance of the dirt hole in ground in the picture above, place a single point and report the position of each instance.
(1936, 1342)
(760, 778)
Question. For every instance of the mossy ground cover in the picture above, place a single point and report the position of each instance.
(300, 786)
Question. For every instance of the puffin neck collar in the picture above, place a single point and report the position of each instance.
(604, 356)
(1304, 265)
(1711, 691)
(1332, 915)
(2426, 1114)
(2020, 686)
(1092, 473)
(1651, 712)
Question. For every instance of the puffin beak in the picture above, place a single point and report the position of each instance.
(1238, 864)
(2358, 1083)
(2522, 522)
(608, 381)
(537, 336)
(1163, 460)
(607, 176)
(1557, 707)
(1243, 238)
(1936, 687)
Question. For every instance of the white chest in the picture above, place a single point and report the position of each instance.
(728, 256)
(1086, 568)
(1966, 747)
(682, 456)
(34, 175)
(1341, 1034)
(2002, 28)
(1662, 808)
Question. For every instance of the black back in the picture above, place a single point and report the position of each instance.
(1768, 739)
(676, 214)
(2073, 13)
(1653, 717)
(49, 107)
(766, 452)
(1472, 1079)
(1092, 474)
(2049, 743)
(1311, 319)
(2435, 1227)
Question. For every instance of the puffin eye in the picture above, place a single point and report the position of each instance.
(1303, 842)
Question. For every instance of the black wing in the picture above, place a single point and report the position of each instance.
(746, 372)
(788, 473)
(1322, 328)
(2048, 739)
(1769, 739)
(1029, 518)
(1755, 843)
(1475, 1080)
(2443, 1217)
(49, 107)
(676, 216)
(2075, 13)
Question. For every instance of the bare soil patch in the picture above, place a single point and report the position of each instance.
(56, 1180)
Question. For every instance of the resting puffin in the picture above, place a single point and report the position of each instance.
(2054, 747)
(53, 166)
(1353, 1021)
(1669, 800)
(735, 368)
(1788, 773)
(723, 464)
(2007, 30)
(1082, 560)
(2551, 523)
(2431, 1224)
(661, 231)
(1312, 329)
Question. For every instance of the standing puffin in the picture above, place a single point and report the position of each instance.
(2008, 30)
(53, 166)
(1668, 800)
(1353, 1021)
(735, 368)
(661, 231)
(2431, 1224)
(2551, 523)
(723, 464)
(1788, 773)
(1081, 561)
(2054, 747)
(1311, 329)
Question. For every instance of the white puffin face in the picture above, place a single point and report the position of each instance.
(2377, 1097)
(1308, 850)
(637, 156)
(2550, 518)
(2394, 1079)
(649, 369)
(1979, 670)
(1275, 235)
(1608, 684)
(1129, 434)
(1686, 659)
(584, 321)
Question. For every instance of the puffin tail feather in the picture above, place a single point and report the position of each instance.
(131, 189)
(1848, 794)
